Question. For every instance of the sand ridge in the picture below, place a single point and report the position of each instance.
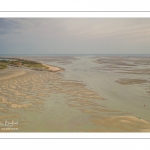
(38, 96)
(28, 92)
(53, 68)
(120, 124)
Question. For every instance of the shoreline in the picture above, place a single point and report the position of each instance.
(77, 92)
(53, 68)
(48, 67)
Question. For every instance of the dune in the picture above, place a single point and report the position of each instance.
(53, 68)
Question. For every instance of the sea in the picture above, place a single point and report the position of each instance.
(85, 97)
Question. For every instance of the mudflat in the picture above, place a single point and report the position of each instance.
(87, 94)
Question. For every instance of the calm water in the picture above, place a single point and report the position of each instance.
(78, 99)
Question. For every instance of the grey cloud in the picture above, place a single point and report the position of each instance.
(75, 35)
(8, 25)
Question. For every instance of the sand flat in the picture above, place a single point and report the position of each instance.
(80, 99)
(126, 81)
(120, 123)
(10, 73)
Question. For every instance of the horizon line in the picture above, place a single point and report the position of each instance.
(82, 54)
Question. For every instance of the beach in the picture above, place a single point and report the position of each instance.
(83, 94)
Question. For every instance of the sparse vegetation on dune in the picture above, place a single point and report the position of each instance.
(33, 65)
(3, 65)
(21, 62)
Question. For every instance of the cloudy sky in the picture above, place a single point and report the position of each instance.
(74, 36)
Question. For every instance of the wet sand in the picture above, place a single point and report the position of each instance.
(80, 99)
(10, 73)
(131, 81)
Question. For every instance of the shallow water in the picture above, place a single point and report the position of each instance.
(82, 98)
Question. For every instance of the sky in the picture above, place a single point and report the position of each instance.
(74, 36)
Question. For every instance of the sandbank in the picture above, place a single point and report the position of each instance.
(10, 73)
(53, 68)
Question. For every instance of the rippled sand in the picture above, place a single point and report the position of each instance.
(120, 124)
(131, 81)
(28, 92)
(48, 102)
